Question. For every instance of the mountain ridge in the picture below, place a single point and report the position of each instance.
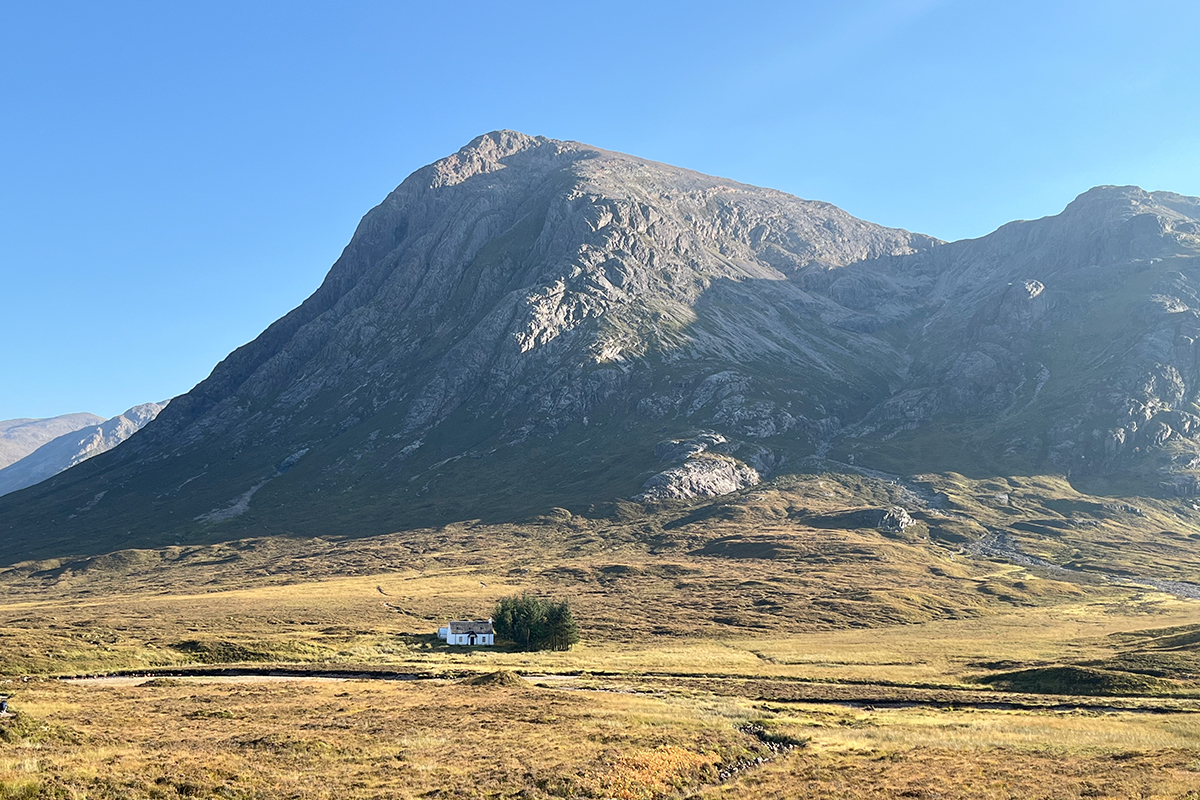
(75, 447)
(517, 326)
(20, 437)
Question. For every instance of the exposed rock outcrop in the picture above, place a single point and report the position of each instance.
(892, 518)
(895, 518)
(699, 476)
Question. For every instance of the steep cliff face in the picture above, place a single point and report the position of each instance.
(532, 323)
(529, 277)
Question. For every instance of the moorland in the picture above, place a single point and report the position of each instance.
(765, 644)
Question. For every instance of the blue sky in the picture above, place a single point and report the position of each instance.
(174, 177)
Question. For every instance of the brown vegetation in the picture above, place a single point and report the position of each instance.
(905, 666)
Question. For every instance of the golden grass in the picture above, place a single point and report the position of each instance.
(356, 739)
(696, 622)
(999, 774)
(351, 738)
(348, 621)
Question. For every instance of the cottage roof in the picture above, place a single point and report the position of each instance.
(471, 626)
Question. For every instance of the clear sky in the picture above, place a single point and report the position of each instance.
(175, 176)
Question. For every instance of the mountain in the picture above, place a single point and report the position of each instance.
(74, 447)
(1069, 344)
(531, 323)
(20, 437)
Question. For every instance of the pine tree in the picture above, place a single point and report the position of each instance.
(561, 630)
(536, 624)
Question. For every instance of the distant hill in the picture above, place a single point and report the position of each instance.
(20, 437)
(530, 323)
(75, 447)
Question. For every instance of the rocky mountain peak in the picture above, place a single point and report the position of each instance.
(519, 256)
(1103, 203)
(481, 155)
(517, 325)
(1112, 222)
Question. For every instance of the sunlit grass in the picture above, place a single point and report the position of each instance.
(689, 637)
(405, 739)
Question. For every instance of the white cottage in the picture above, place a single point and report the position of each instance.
(468, 632)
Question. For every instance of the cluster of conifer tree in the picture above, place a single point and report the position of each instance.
(535, 623)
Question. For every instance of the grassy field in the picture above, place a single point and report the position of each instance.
(761, 646)
(349, 738)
